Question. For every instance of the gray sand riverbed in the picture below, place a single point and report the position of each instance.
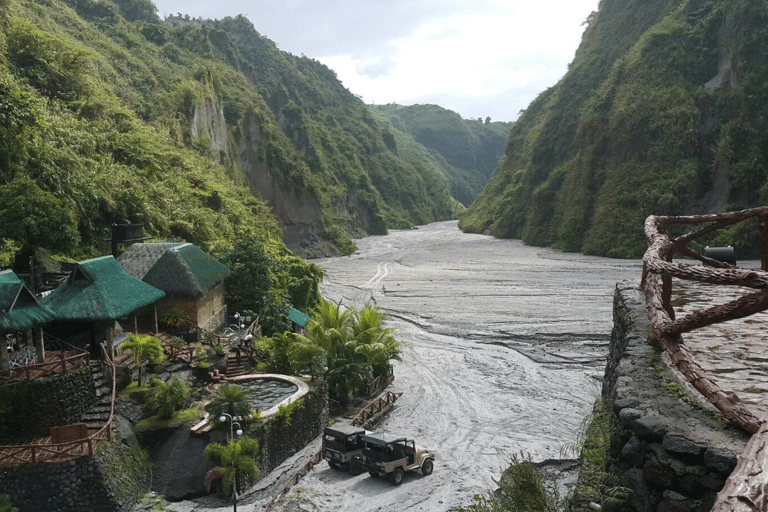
(506, 346)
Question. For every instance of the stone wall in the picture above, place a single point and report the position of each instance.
(672, 451)
(34, 407)
(277, 444)
(113, 480)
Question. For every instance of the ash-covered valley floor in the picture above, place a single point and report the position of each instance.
(506, 345)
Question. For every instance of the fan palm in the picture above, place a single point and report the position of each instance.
(168, 397)
(231, 399)
(234, 457)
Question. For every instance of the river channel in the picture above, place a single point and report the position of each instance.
(506, 345)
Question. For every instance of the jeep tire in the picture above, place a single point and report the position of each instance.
(396, 477)
(427, 467)
(356, 467)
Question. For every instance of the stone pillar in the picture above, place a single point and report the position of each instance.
(38, 340)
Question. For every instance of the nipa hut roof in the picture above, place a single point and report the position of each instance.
(19, 307)
(182, 270)
(99, 289)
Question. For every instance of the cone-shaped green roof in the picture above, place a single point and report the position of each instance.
(181, 270)
(19, 307)
(99, 289)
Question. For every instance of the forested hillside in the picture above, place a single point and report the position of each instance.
(200, 130)
(467, 150)
(664, 110)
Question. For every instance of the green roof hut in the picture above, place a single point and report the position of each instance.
(95, 295)
(193, 281)
(20, 312)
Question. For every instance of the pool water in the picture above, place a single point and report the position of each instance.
(266, 393)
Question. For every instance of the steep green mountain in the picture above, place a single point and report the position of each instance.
(664, 110)
(201, 130)
(467, 150)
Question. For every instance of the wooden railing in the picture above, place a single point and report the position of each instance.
(375, 407)
(60, 362)
(747, 487)
(41, 451)
(298, 475)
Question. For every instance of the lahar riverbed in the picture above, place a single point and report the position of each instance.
(505, 350)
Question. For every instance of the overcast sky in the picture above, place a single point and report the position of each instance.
(476, 57)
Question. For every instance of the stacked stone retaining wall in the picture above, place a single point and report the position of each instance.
(674, 453)
(113, 480)
(307, 423)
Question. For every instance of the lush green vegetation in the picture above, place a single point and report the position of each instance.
(233, 400)
(349, 348)
(110, 115)
(661, 112)
(235, 457)
(520, 490)
(464, 152)
(168, 397)
(6, 505)
(144, 350)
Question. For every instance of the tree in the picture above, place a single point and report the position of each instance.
(144, 350)
(267, 279)
(36, 219)
(347, 370)
(377, 342)
(231, 399)
(235, 456)
(168, 397)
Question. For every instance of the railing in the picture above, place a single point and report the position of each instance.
(39, 451)
(375, 407)
(746, 485)
(301, 473)
(174, 352)
(64, 361)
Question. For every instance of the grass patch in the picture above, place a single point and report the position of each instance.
(181, 417)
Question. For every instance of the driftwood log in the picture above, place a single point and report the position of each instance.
(747, 488)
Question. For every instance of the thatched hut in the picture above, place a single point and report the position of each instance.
(193, 281)
(21, 317)
(97, 294)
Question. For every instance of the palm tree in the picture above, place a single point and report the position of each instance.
(168, 397)
(231, 399)
(144, 349)
(235, 456)
(305, 356)
(377, 342)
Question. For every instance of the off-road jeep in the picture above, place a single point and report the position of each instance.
(343, 448)
(394, 455)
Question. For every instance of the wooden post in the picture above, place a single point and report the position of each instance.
(154, 318)
(37, 337)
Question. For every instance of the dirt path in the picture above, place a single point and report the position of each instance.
(506, 346)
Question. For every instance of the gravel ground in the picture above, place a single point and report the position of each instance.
(506, 346)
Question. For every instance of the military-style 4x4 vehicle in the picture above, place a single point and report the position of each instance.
(343, 448)
(394, 455)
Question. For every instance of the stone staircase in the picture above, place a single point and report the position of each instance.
(98, 415)
(235, 367)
